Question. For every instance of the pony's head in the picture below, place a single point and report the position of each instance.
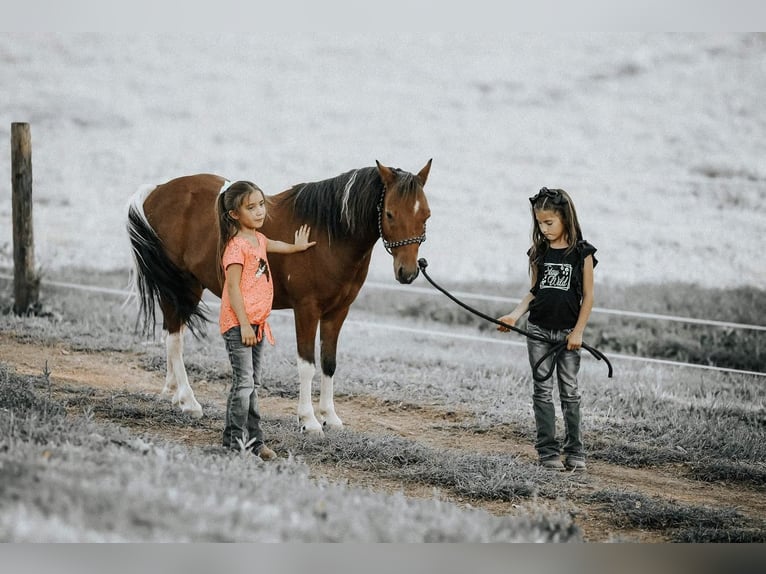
(403, 211)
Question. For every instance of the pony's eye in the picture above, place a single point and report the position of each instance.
(389, 215)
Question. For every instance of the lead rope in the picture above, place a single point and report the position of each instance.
(556, 350)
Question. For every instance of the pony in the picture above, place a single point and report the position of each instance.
(173, 235)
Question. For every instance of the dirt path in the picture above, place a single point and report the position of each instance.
(111, 372)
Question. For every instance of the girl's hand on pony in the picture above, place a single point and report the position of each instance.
(302, 238)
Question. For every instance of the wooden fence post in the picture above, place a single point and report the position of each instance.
(26, 285)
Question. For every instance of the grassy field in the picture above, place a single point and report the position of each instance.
(76, 464)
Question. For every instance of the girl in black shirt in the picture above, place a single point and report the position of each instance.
(559, 303)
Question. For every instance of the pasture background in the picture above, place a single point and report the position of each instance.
(659, 137)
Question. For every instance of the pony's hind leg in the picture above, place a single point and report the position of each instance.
(176, 380)
(172, 342)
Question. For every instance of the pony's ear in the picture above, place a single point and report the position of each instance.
(386, 174)
(423, 173)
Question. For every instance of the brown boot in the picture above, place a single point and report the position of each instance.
(266, 453)
(552, 464)
(576, 464)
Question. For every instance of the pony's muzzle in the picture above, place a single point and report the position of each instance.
(406, 276)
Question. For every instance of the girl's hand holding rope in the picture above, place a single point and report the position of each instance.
(574, 340)
(508, 320)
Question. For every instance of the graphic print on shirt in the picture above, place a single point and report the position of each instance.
(263, 269)
(556, 276)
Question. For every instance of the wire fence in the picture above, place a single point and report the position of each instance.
(435, 333)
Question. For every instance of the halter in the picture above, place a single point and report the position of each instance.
(391, 245)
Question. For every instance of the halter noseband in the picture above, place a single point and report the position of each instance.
(391, 245)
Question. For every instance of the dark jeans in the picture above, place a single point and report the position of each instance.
(242, 416)
(567, 367)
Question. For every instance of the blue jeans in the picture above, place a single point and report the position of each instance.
(567, 367)
(242, 416)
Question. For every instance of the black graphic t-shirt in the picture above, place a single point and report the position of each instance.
(558, 289)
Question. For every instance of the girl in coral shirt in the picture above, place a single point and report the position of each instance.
(246, 302)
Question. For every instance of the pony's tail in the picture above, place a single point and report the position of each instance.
(155, 278)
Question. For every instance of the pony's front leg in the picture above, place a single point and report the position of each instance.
(306, 418)
(329, 331)
(327, 403)
(305, 330)
(176, 380)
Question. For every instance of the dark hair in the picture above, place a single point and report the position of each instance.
(228, 200)
(558, 201)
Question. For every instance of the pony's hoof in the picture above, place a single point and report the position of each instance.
(194, 411)
(311, 429)
(332, 422)
(312, 432)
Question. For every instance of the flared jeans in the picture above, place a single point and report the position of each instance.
(567, 368)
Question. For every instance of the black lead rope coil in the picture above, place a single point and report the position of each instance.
(556, 350)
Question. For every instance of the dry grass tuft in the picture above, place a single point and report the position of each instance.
(685, 523)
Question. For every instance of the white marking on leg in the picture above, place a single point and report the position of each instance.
(327, 403)
(176, 378)
(171, 350)
(306, 418)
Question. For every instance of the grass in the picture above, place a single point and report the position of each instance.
(475, 475)
(709, 425)
(97, 482)
(684, 522)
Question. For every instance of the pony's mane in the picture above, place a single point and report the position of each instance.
(346, 205)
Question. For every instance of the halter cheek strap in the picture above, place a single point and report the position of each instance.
(391, 245)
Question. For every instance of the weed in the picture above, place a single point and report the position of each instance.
(685, 522)
(476, 475)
